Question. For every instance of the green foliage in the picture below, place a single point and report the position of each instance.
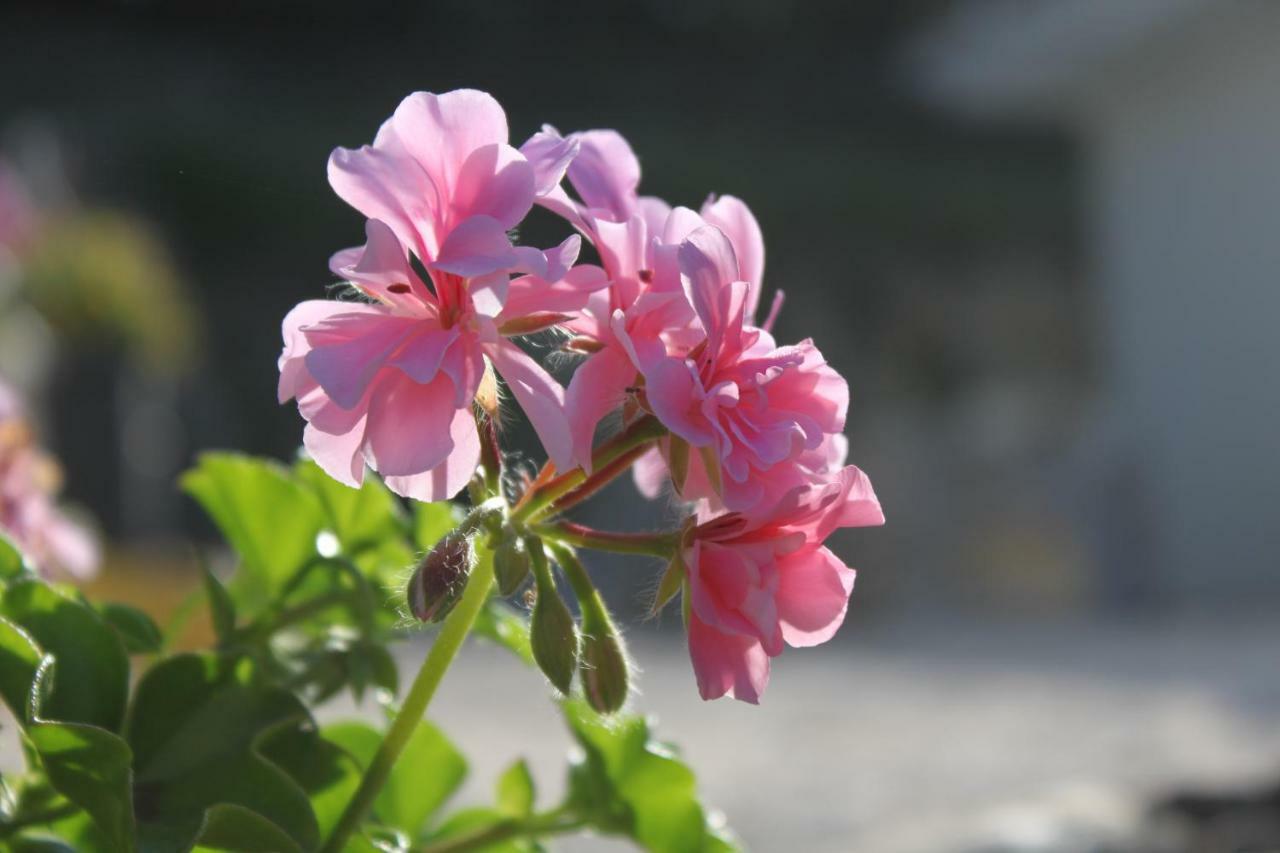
(218, 751)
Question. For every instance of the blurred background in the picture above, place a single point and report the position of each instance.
(1036, 236)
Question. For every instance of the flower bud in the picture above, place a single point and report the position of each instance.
(553, 635)
(604, 670)
(439, 580)
(510, 563)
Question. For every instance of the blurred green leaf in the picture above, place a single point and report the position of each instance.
(327, 773)
(431, 521)
(360, 518)
(137, 630)
(12, 562)
(235, 828)
(268, 517)
(515, 790)
(200, 727)
(21, 660)
(222, 610)
(427, 773)
(628, 783)
(476, 821)
(92, 674)
(90, 767)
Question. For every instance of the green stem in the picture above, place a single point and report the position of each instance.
(49, 815)
(649, 544)
(445, 648)
(641, 432)
(536, 826)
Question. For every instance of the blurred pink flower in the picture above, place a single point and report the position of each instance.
(760, 582)
(390, 384)
(19, 220)
(29, 516)
(761, 416)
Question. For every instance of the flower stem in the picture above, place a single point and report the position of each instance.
(638, 434)
(443, 651)
(650, 544)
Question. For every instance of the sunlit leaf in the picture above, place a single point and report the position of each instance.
(360, 518)
(92, 673)
(90, 767)
(234, 828)
(431, 521)
(269, 518)
(515, 790)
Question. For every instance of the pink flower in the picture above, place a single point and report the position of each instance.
(758, 583)
(758, 414)
(643, 313)
(390, 383)
(29, 482)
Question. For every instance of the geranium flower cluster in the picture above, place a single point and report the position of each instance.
(668, 326)
(29, 514)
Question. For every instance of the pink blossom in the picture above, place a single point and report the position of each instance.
(643, 313)
(758, 415)
(29, 516)
(389, 383)
(758, 583)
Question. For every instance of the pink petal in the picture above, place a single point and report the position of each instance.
(409, 429)
(549, 154)
(540, 396)
(650, 471)
(478, 246)
(452, 475)
(532, 295)
(675, 395)
(381, 269)
(494, 181)
(735, 219)
(422, 354)
(605, 173)
(727, 664)
(348, 349)
(441, 131)
(390, 188)
(812, 597)
(598, 387)
(340, 455)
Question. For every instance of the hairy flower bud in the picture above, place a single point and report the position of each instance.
(439, 580)
(604, 669)
(510, 563)
(553, 635)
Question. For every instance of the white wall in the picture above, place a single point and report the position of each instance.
(1183, 136)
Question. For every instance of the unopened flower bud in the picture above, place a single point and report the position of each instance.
(604, 670)
(510, 563)
(553, 635)
(439, 580)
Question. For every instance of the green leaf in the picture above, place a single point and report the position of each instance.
(627, 782)
(137, 630)
(21, 662)
(327, 773)
(201, 728)
(431, 521)
(12, 563)
(222, 610)
(474, 821)
(90, 767)
(427, 773)
(92, 672)
(235, 828)
(268, 517)
(360, 518)
(515, 792)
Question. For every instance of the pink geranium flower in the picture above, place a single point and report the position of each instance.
(389, 383)
(756, 413)
(760, 582)
(643, 313)
(29, 516)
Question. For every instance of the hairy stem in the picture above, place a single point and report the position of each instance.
(637, 435)
(651, 544)
(443, 651)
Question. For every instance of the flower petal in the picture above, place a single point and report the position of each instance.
(727, 664)
(812, 596)
(598, 386)
(540, 396)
